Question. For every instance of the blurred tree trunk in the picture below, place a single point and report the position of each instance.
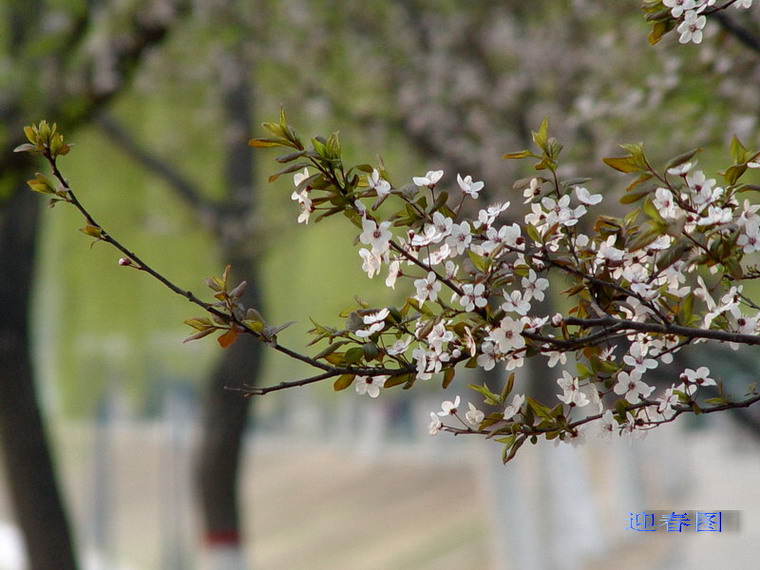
(225, 412)
(219, 454)
(230, 220)
(32, 482)
(37, 501)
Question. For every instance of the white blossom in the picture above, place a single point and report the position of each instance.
(449, 408)
(507, 335)
(473, 296)
(572, 394)
(468, 186)
(699, 377)
(370, 385)
(514, 407)
(371, 262)
(400, 346)
(435, 424)
(430, 179)
(376, 236)
(474, 416)
(376, 322)
(427, 288)
(691, 28)
(382, 187)
(606, 426)
(631, 385)
(585, 197)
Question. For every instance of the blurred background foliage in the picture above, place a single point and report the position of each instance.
(424, 84)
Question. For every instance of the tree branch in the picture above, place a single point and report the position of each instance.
(82, 98)
(686, 332)
(742, 35)
(183, 186)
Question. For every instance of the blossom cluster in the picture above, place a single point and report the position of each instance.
(691, 15)
(478, 289)
(478, 285)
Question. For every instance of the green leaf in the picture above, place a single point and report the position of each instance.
(508, 440)
(320, 146)
(92, 231)
(336, 358)
(546, 164)
(267, 142)
(659, 29)
(370, 351)
(275, 129)
(330, 349)
(541, 137)
(634, 162)
(198, 335)
(288, 170)
(658, 15)
(554, 148)
(353, 355)
(343, 382)
(507, 457)
(519, 155)
(533, 233)
(737, 151)
(57, 146)
(626, 164)
(480, 262)
(644, 177)
(733, 173)
(398, 380)
(290, 157)
(541, 410)
(681, 158)
(686, 310)
(734, 268)
(715, 401)
(254, 325)
(673, 253)
(440, 201)
(200, 323)
(448, 377)
(644, 237)
(653, 212)
(41, 184)
(583, 371)
(333, 146)
(634, 197)
(490, 398)
(31, 134)
(508, 386)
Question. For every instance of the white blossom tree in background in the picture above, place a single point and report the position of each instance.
(636, 289)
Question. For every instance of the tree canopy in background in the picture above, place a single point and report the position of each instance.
(626, 278)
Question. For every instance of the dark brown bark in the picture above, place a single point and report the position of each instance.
(29, 466)
(224, 421)
(225, 412)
